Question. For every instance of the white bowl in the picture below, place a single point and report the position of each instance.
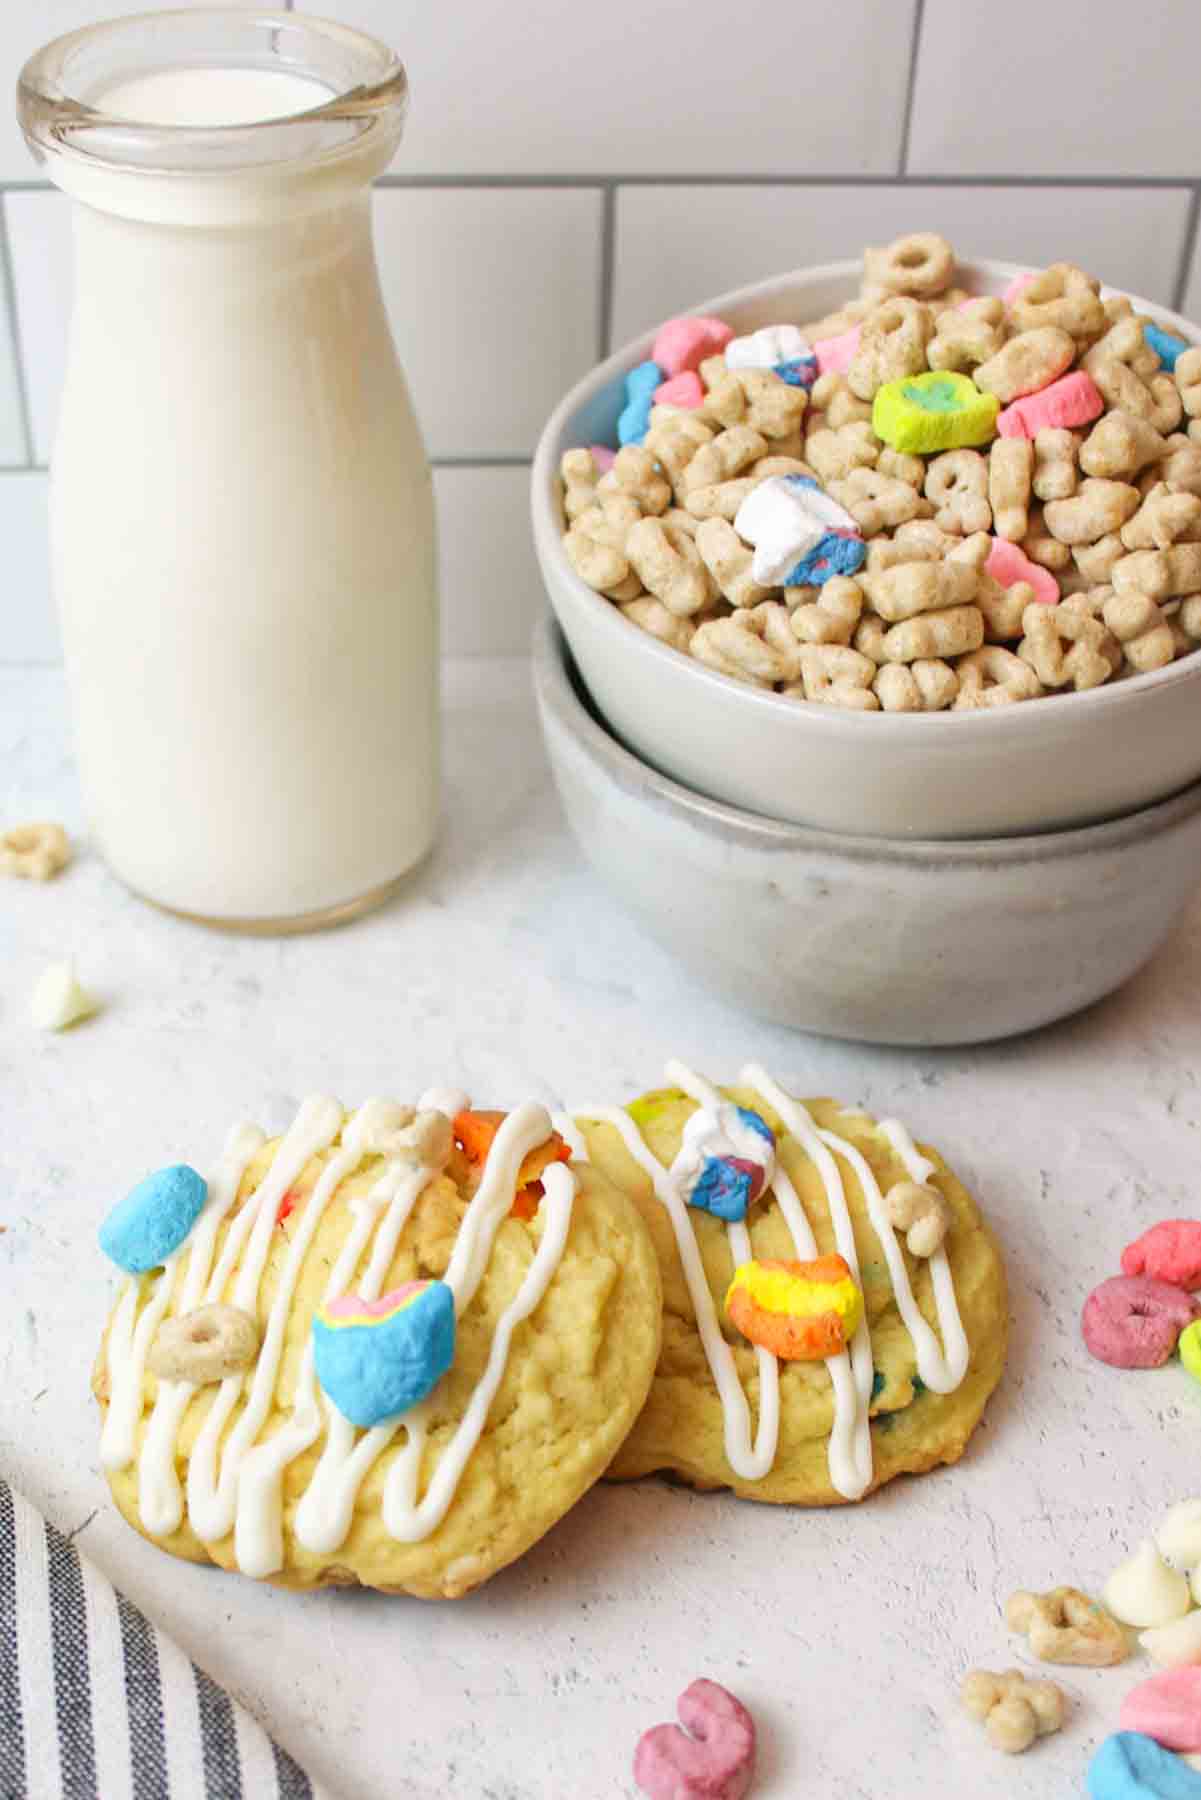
(892, 942)
(1049, 763)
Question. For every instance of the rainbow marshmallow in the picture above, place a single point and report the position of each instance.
(377, 1358)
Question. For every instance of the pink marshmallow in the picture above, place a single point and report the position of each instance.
(1169, 1251)
(603, 457)
(685, 343)
(684, 389)
(1017, 286)
(835, 355)
(715, 1763)
(1072, 400)
(1166, 1708)
(1007, 564)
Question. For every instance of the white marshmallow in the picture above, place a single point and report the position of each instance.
(58, 1000)
(1145, 1592)
(765, 348)
(1178, 1539)
(784, 523)
(1173, 1646)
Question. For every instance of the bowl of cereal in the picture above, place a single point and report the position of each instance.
(888, 941)
(903, 549)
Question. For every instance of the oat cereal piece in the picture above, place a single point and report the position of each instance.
(601, 566)
(1041, 547)
(675, 442)
(1126, 342)
(835, 675)
(1063, 645)
(752, 646)
(1156, 401)
(1026, 364)
(832, 397)
(892, 346)
(1003, 608)
(1065, 1626)
(36, 851)
(832, 618)
(579, 475)
(1187, 374)
(921, 263)
(875, 500)
(1065, 297)
(722, 499)
(920, 1211)
(911, 588)
(1165, 517)
(935, 635)
(901, 467)
(204, 1346)
(1160, 574)
(869, 637)
(1142, 630)
(1013, 1710)
(1010, 469)
(836, 454)
(652, 616)
(974, 550)
(728, 560)
(758, 398)
(957, 484)
(1096, 561)
(609, 520)
(669, 566)
(1098, 508)
(729, 454)
(683, 521)
(1181, 465)
(1055, 453)
(993, 676)
(966, 337)
(634, 474)
(1120, 446)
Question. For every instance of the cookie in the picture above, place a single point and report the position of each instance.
(507, 1305)
(921, 1361)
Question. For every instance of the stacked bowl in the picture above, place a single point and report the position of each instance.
(900, 878)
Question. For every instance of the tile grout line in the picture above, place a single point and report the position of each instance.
(467, 181)
(915, 42)
(607, 272)
(8, 298)
(1187, 250)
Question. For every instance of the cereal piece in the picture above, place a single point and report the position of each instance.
(153, 1220)
(1055, 453)
(1026, 364)
(957, 484)
(652, 616)
(633, 422)
(835, 454)
(1096, 561)
(835, 675)
(785, 519)
(920, 263)
(680, 390)
(869, 638)
(1074, 399)
(917, 540)
(1188, 381)
(673, 444)
(729, 562)
(832, 397)
(1156, 401)
(58, 1000)
(1007, 564)
(1160, 574)
(910, 588)
(1166, 1707)
(876, 500)
(974, 550)
(1065, 1626)
(1144, 1591)
(965, 337)
(609, 521)
(669, 566)
(36, 852)
(204, 1345)
(579, 474)
(920, 1211)
(1085, 663)
(1041, 547)
(376, 1358)
(935, 634)
(717, 1762)
(1003, 608)
(832, 618)
(993, 676)
(1098, 508)
(722, 499)
(684, 343)
(836, 354)
(1120, 445)
(1164, 517)
(1129, 1766)
(1181, 466)
(600, 565)
(800, 1311)
(755, 645)
(729, 453)
(1062, 296)
(1142, 631)
(892, 345)
(1169, 1251)
(1125, 342)
(759, 398)
(932, 412)
(1013, 1710)
(634, 474)
(1133, 1322)
(1178, 1539)
(1010, 468)
(895, 463)
(1176, 1645)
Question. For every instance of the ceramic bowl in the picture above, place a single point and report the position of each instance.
(890, 941)
(1059, 761)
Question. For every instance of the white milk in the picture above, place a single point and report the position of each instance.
(242, 523)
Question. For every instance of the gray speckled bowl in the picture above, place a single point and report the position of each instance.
(889, 941)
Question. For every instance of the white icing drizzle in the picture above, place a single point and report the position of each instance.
(919, 1168)
(444, 1100)
(571, 1134)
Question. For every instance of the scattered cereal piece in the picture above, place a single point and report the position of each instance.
(1169, 1251)
(715, 1762)
(940, 410)
(1144, 1591)
(154, 1219)
(921, 1213)
(58, 1000)
(1065, 1626)
(1130, 1766)
(1176, 1645)
(36, 851)
(1167, 1707)
(204, 1345)
(1013, 1710)
(1133, 1322)
(800, 1311)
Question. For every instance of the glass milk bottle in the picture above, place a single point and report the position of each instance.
(242, 526)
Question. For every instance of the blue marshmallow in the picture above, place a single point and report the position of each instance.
(635, 418)
(154, 1219)
(799, 371)
(378, 1358)
(1129, 1766)
(837, 554)
(1165, 344)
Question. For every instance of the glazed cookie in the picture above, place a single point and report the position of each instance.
(385, 1348)
(835, 1307)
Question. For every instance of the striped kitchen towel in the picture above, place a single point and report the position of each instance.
(97, 1704)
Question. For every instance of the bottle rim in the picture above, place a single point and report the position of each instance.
(60, 92)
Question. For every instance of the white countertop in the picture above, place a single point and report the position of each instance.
(505, 969)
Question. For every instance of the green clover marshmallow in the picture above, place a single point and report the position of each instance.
(922, 414)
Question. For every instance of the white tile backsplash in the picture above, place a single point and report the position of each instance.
(493, 295)
(39, 236)
(625, 88)
(28, 627)
(676, 246)
(1038, 87)
(492, 593)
